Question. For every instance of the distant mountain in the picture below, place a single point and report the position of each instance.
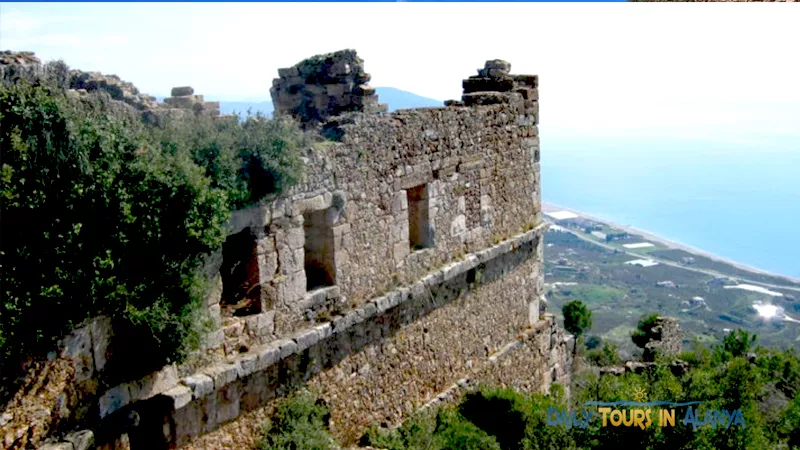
(395, 98)
(399, 99)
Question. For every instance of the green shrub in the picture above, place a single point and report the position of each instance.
(641, 335)
(418, 432)
(300, 423)
(249, 159)
(502, 413)
(457, 433)
(103, 213)
(442, 430)
(605, 356)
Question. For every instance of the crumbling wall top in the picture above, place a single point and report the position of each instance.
(324, 86)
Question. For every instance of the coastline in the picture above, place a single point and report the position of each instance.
(549, 207)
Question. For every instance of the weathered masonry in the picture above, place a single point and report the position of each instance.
(408, 260)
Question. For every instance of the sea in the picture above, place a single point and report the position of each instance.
(739, 200)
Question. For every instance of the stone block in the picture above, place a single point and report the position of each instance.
(267, 267)
(102, 333)
(461, 205)
(400, 202)
(315, 203)
(114, 399)
(295, 237)
(268, 356)
(306, 339)
(487, 98)
(77, 346)
(287, 347)
(382, 303)
(154, 384)
(458, 225)
(215, 314)
(368, 310)
(185, 102)
(213, 340)
(58, 446)
(288, 72)
(264, 324)
(228, 403)
(81, 440)
(182, 91)
(248, 364)
(256, 216)
(292, 288)
(215, 292)
(180, 396)
(401, 250)
(200, 384)
(527, 80)
(342, 323)
(314, 299)
(290, 261)
(222, 374)
(324, 331)
(488, 84)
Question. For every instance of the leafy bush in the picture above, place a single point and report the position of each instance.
(605, 356)
(300, 423)
(499, 412)
(248, 159)
(103, 213)
(641, 335)
(593, 342)
(443, 430)
(765, 389)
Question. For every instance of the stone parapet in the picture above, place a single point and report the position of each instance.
(664, 339)
(250, 380)
(324, 86)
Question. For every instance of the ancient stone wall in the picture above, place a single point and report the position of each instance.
(664, 338)
(324, 86)
(396, 196)
(406, 261)
(16, 66)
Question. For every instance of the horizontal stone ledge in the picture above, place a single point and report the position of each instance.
(216, 377)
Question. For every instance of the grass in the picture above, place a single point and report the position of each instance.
(590, 293)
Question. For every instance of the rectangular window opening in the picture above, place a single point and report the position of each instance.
(241, 291)
(319, 252)
(420, 232)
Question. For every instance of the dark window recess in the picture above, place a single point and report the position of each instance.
(472, 198)
(241, 291)
(319, 252)
(420, 232)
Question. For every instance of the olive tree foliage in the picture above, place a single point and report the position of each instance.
(103, 213)
(577, 319)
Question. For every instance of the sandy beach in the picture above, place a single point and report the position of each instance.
(550, 207)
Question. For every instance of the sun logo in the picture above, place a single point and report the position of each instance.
(639, 395)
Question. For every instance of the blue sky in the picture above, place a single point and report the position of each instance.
(721, 72)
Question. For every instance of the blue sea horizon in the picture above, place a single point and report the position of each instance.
(738, 200)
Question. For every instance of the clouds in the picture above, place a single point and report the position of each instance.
(605, 69)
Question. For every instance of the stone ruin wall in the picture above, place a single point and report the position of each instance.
(318, 88)
(16, 66)
(426, 262)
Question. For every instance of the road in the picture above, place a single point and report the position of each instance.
(680, 266)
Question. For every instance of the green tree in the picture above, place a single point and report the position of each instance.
(300, 422)
(641, 335)
(738, 343)
(577, 319)
(105, 213)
